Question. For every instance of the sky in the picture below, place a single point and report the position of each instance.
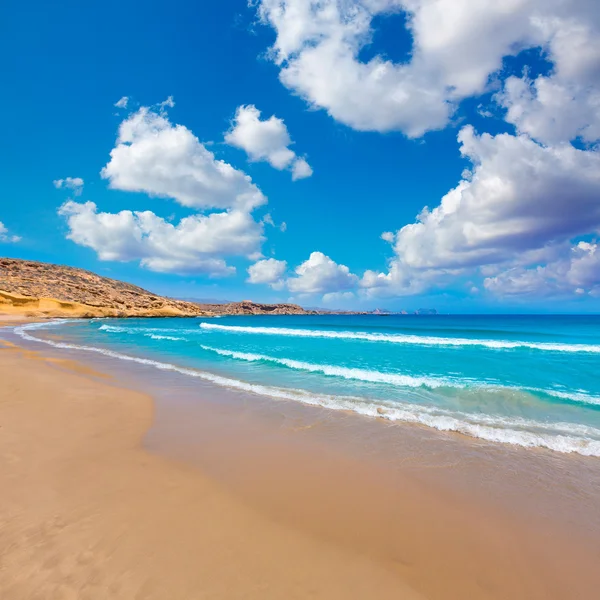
(346, 154)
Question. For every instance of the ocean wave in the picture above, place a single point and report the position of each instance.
(399, 379)
(143, 330)
(171, 338)
(344, 372)
(395, 338)
(560, 437)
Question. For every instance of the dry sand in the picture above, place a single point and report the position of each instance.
(87, 513)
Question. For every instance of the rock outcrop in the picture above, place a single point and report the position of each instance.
(247, 307)
(38, 289)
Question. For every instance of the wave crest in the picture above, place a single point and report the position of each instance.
(560, 437)
(397, 338)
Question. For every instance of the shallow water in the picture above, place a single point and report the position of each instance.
(523, 380)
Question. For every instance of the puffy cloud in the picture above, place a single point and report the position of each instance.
(268, 271)
(519, 196)
(70, 183)
(518, 205)
(266, 140)
(122, 103)
(5, 237)
(401, 280)
(195, 245)
(565, 104)
(301, 169)
(154, 156)
(321, 275)
(550, 111)
(457, 45)
(337, 297)
(576, 273)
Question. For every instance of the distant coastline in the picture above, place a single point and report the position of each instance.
(43, 290)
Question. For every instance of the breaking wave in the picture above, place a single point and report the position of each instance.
(396, 338)
(560, 437)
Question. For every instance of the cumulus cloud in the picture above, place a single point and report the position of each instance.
(5, 237)
(154, 156)
(266, 140)
(268, 271)
(337, 297)
(122, 103)
(70, 183)
(519, 196)
(550, 111)
(520, 201)
(457, 46)
(301, 169)
(321, 275)
(196, 244)
(564, 104)
(578, 272)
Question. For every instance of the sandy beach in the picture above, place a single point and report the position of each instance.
(88, 512)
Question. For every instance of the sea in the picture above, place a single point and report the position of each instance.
(524, 380)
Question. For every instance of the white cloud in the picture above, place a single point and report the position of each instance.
(5, 237)
(552, 112)
(321, 275)
(194, 245)
(70, 183)
(578, 272)
(301, 169)
(266, 140)
(520, 196)
(168, 103)
(519, 202)
(165, 160)
(268, 220)
(457, 46)
(565, 104)
(388, 236)
(268, 271)
(122, 103)
(337, 297)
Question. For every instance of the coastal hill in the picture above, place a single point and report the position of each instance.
(247, 307)
(36, 289)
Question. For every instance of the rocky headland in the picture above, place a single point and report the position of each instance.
(37, 289)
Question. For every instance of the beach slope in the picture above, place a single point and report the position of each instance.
(86, 513)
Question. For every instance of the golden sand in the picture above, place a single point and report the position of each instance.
(87, 513)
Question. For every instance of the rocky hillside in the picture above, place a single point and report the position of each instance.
(40, 289)
(247, 307)
(37, 289)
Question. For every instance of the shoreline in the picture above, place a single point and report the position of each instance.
(380, 409)
(290, 468)
(89, 513)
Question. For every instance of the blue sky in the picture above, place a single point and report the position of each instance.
(341, 120)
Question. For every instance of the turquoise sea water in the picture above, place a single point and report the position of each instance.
(526, 380)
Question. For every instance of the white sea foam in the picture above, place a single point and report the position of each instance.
(143, 330)
(560, 437)
(397, 338)
(344, 372)
(398, 379)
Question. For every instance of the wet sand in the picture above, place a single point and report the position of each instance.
(91, 510)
